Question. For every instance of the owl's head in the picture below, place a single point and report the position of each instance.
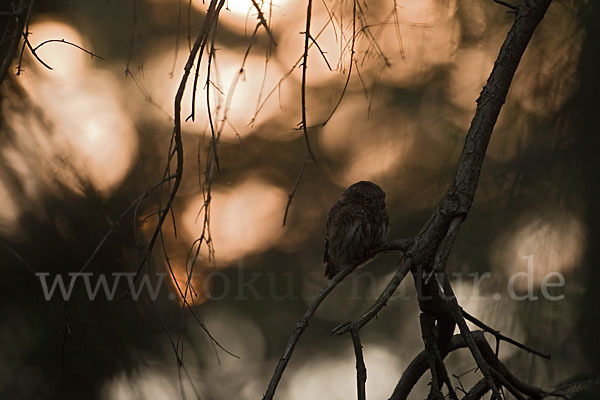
(364, 192)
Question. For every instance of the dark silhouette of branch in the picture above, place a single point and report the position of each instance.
(465, 331)
(301, 325)
(419, 366)
(12, 36)
(381, 301)
(431, 246)
(293, 192)
(70, 44)
(500, 336)
(439, 374)
(427, 332)
(477, 391)
(263, 22)
(361, 369)
(304, 67)
(352, 46)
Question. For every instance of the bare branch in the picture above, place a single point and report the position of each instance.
(263, 21)
(293, 192)
(304, 67)
(300, 327)
(381, 301)
(303, 322)
(500, 336)
(361, 369)
(70, 44)
(464, 330)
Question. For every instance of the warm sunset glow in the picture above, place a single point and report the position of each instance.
(545, 245)
(470, 71)
(233, 94)
(93, 132)
(66, 61)
(86, 135)
(329, 39)
(144, 383)
(336, 378)
(245, 219)
(373, 146)
(242, 14)
(9, 212)
(429, 36)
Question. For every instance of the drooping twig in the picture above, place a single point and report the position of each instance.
(70, 44)
(293, 192)
(347, 82)
(304, 68)
(134, 205)
(21, 20)
(263, 22)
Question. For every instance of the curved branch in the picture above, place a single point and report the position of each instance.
(399, 244)
(381, 301)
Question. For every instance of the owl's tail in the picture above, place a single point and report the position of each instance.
(330, 270)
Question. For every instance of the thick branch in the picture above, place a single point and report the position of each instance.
(492, 98)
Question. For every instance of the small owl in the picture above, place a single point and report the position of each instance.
(357, 223)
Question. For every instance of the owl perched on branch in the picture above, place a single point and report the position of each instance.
(356, 224)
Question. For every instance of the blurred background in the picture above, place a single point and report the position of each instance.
(81, 142)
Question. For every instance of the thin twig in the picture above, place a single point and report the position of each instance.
(464, 330)
(347, 82)
(300, 327)
(263, 22)
(293, 192)
(500, 336)
(381, 301)
(18, 257)
(361, 369)
(70, 44)
(322, 52)
(303, 322)
(134, 205)
(304, 67)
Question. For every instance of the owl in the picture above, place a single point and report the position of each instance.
(357, 223)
